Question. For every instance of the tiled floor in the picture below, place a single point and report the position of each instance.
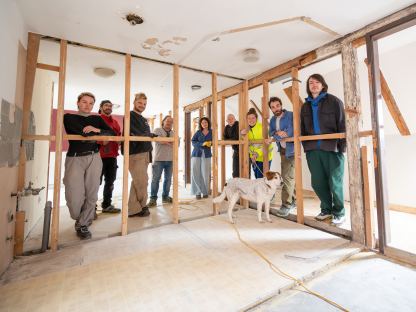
(198, 265)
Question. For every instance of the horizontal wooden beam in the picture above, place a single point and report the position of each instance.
(47, 67)
(226, 93)
(105, 138)
(230, 142)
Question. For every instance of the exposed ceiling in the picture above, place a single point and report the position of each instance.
(187, 29)
(100, 23)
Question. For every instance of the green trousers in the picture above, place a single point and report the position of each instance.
(288, 178)
(327, 174)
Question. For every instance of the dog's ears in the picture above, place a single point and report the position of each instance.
(271, 174)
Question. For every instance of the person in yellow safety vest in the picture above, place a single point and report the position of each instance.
(255, 132)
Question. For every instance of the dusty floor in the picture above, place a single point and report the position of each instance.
(198, 265)
(365, 282)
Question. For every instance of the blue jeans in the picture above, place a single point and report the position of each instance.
(157, 169)
(258, 168)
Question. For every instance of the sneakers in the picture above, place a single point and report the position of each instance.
(144, 213)
(323, 216)
(283, 211)
(83, 232)
(205, 196)
(152, 202)
(110, 209)
(338, 220)
(198, 197)
(167, 199)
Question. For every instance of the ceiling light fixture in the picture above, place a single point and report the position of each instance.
(250, 55)
(104, 72)
(195, 87)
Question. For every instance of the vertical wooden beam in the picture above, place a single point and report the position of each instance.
(353, 107)
(187, 143)
(222, 146)
(244, 109)
(391, 104)
(175, 203)
(126, 133)
(58, 146)
(214, 121)
(368, 201)
(201, 112)
(160, 119)
(241, 119)
(31, 62)
(298, 153)
(265, 124)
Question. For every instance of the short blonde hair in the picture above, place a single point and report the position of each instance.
(85, 94)
(140, 95)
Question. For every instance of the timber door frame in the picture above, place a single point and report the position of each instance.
(378, 127)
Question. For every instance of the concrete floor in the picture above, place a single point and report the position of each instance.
(365, 282)
(198, 265)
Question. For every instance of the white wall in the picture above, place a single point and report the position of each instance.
(12, 33)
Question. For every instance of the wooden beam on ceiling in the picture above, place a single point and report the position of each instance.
(326, 51)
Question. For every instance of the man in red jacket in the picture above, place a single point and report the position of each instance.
(109, 155)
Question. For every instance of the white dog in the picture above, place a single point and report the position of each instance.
(259, 191)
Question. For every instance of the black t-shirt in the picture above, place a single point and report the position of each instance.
(231, 133)
(74, 124)
(139, 127)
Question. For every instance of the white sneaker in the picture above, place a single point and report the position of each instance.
(338, 220)
(323, 216)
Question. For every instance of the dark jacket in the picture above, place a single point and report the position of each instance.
(74, 124)
(197, 140)
(232, 133)
(138, 127)
(286, 125)
(331, 120)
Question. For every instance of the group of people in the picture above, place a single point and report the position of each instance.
(321, 113)
(89, 162)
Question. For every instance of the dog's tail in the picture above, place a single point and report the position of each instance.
(220, 198)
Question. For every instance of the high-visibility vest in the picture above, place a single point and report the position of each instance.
(256, 133)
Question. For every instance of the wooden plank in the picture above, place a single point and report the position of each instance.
(352, 99)
(244, 109)
(19, 231)
(175, 199)
(214, 124)
(226, 93)
(126, 136)
(187, 143)
(38, 137)
(31, 61)
(368, 201)
(30, 72)
(58, 146)
(401, 255)
(258, 110)
(265, 125)
(47, 67)
(201, 112)
(298, 155)
(391, 104)
(222, 146)
(401, 208)
(230, 142)
(160, 119)
(288, 92)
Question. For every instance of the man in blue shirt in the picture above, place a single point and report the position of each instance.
(281, 127)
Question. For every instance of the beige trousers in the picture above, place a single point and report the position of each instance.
(138, 189)
(82, 181)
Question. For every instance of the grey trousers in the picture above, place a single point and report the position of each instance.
(138, 164)
(82, 181)
(288, 177)
(201, 175)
